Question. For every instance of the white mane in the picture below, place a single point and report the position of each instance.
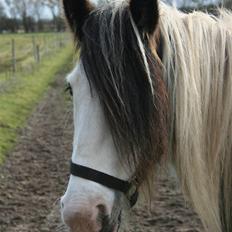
(198, 71)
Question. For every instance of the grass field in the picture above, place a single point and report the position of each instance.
(26, 90)
(25, 50)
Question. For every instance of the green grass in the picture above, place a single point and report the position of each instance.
(17, 103)
(24, 48)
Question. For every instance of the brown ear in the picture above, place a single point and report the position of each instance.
(76, 12)
(145, 14)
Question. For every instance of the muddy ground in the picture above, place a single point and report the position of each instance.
(35, 174)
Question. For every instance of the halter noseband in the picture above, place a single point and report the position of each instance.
(129, 189)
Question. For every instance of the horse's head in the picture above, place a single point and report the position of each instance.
(118, 110)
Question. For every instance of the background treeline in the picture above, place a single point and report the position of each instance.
(28, 16)
(210, 6)
(193, 4)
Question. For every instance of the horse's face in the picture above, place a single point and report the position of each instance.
(88, 205)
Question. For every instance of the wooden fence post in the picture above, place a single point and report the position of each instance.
(13, 56)
(45, 45)
(61, 41)
(37, 54)
(34, 48)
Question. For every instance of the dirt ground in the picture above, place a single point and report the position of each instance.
(35, 175)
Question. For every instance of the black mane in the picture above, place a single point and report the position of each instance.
(116, 68)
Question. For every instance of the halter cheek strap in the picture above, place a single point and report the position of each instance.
(129, 189)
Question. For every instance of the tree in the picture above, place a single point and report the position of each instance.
(27, 14)
(55, 9)
(7, 24)
(102, 2)
(20, 9)
(228, 4)
(37, 8)
(2, 17)
(2, 11)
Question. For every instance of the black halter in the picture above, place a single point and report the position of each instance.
(129, 189)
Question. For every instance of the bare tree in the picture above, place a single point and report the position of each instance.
(102, 2)
(37, 8)
(55, 9)
(2, 10)
(12, 9)
(21, 9)
(8, 23)
(54, 6)
(228, 4)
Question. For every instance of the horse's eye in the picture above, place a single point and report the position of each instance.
(68, 89)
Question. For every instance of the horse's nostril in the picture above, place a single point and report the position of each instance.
(102, 208)
(102, 212)
(103, 218)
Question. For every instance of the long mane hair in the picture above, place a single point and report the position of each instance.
(175, 105)
(198, 74)
(127, 79)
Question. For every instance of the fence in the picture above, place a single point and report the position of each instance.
(22, 54)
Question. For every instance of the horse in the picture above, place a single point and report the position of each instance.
(152, 87)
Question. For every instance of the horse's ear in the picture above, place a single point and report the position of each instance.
(145, 14)
(76, 12)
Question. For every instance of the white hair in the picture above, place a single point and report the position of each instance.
(197, 60)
